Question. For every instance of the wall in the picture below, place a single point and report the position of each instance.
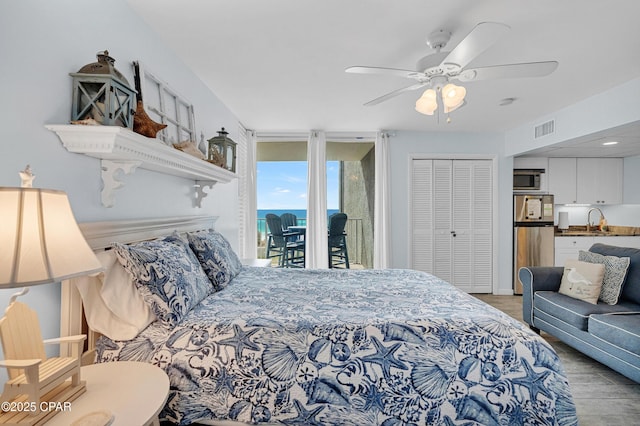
(404, 144)
(612, 108)
(41, 42)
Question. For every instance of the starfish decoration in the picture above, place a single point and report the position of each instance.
(533, 381)
(224, 381)
(384, 357)
(374, 399)
(305, 417)
(240, 340)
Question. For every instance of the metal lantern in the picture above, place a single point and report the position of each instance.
(101, 92)
(222, 146)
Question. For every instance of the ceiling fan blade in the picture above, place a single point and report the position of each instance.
(531, 69)
(395, 93)
(386, 71)
(477, 41)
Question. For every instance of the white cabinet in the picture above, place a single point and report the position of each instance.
(599, 180)
(563, 180)
(569, 247)
(586, 180)
(451, 221)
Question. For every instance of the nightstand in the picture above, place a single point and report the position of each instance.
(260, 263)
(134, 392)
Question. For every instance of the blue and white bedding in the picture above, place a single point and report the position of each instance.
(373, 347)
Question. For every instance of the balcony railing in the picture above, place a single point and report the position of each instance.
(353, 228)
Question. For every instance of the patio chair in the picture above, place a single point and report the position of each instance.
(338, 255)
(288, 250)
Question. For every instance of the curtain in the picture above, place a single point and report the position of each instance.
(247, 199)
(316, 255)
(382, 200)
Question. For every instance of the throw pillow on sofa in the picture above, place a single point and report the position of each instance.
(615, 272)
(582, 280)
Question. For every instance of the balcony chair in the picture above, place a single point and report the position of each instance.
(284, 245)
(338, 255)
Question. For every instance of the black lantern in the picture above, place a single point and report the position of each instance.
(223, 147)
(101, 92)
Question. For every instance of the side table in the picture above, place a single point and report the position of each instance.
(134, 392)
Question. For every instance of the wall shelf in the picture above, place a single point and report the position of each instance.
(121, 149)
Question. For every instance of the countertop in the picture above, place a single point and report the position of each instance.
(612, 231)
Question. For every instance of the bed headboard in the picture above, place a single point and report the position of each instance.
(100, 236)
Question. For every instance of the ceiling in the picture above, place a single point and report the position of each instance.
(279, 65)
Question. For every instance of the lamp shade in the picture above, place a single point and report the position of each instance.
(427, 103)
(452, 97)
(40, 241)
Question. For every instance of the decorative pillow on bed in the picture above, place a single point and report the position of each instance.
(216, 256)
(167, 274)
(615, 271)
(582, 280)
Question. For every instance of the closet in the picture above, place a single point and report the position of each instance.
(451, 221)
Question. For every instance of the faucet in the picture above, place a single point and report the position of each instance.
(589, 217)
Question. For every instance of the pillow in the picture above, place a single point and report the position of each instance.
(167, 274)
(216, 256)
(615, 271)
(582, 280)
(112, 305)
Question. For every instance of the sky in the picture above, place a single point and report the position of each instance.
(283, 185)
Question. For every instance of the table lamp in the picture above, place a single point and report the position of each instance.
(40, 242)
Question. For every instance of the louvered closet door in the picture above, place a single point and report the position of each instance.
(461, 249)
(422, 215)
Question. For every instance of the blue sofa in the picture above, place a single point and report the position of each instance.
(609, 334)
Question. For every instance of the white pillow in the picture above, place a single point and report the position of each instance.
(582, 280)
(112, 304)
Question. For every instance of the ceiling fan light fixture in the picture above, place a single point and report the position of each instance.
(427, 103)
(453, 96)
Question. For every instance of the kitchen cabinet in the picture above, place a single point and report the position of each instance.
(569, 247)
(451, 221)
(563, 178)
(599, 180)
(586, 180)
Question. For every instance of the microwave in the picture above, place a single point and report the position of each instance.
(527, 179)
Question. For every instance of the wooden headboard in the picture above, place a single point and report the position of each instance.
(100, 236)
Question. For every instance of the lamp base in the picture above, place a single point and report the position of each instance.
(19, 410)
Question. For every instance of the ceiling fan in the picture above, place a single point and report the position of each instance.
(438, 70)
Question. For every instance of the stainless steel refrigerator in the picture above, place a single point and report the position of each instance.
(533, 233)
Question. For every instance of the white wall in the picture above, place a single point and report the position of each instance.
(404, 144)
(41, 42)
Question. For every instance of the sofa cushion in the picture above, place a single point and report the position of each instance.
(622, 330)
(582, 280)
(615, 272)
(631, 287)
(573, 311)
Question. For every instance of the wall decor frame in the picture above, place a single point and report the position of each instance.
(164, 105)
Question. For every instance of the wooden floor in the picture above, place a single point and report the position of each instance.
(602, 396)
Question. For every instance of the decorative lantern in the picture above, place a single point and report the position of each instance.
(101, 93)
(222, 146)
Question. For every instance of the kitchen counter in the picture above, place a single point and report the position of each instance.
(612, 231)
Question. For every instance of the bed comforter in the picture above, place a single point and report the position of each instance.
(374, 347)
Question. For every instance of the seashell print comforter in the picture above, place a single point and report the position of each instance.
(372, 347)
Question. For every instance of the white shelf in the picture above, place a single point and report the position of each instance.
(123, 150)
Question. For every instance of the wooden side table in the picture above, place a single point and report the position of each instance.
(134, 392)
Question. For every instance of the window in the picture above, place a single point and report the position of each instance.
(165, 106)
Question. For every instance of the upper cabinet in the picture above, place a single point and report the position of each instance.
(586, 180)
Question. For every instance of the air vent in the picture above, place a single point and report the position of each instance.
(545, 129)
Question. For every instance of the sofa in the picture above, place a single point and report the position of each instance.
(608, 333)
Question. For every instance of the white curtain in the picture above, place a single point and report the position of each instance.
(381, 221)
(248, 205)
(316, 255)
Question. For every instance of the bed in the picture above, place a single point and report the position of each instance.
(326, 347)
